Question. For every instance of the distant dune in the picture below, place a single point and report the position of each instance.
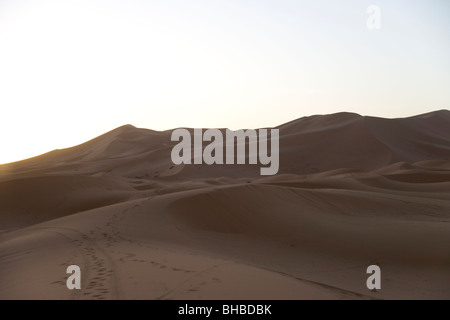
(351, 191)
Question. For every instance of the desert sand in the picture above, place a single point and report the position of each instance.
(352, 191)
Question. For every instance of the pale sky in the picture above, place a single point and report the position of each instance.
(72, 70)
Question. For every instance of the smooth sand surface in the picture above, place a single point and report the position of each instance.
(351, 192)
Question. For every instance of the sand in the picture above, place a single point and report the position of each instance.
(351, 192)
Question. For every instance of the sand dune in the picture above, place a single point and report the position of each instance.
(307, 145)
(352, 191)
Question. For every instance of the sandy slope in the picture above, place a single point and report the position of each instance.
(140, 227)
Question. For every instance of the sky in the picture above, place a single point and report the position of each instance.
(72, 70)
